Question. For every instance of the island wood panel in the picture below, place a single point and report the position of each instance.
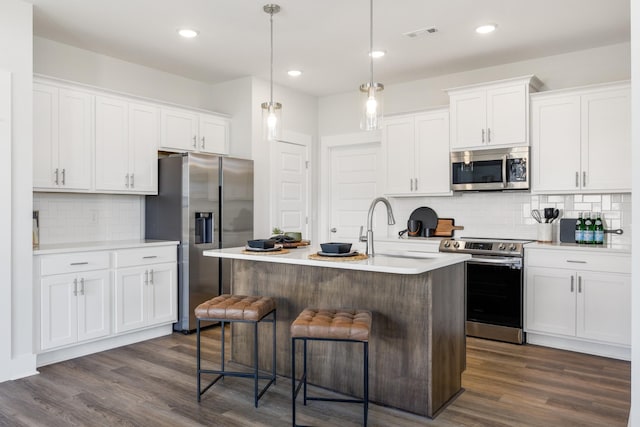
(417, 347)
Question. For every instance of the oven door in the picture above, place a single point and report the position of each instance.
(494, 291)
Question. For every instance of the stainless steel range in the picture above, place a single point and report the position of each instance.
(494, 286)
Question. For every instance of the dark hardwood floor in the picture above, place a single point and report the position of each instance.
(153, 384)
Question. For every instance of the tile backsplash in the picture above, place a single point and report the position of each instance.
(508, 214)
(72, 218)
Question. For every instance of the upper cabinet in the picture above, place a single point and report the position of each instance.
(126, 146)
(491, 115)
(185, 130)
(62, 138)
(581, 140)
(417, 154)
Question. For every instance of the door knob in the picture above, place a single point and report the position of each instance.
(334, 230)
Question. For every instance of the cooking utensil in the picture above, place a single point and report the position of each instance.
(548, 214)
(616, 231)
(535, 213)
(446, 226)
(556, 214)
(427, 217)
(414, 227)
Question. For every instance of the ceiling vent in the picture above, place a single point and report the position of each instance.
(421, 32)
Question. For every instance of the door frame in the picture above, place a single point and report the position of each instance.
(328, 143)
(296, 138)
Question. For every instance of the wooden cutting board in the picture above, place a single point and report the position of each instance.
(296, 244)
(446, 226)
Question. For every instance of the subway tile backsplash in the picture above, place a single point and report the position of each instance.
(508, 214)
(73, 218)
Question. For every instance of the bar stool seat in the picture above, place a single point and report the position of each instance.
(237, 308)
(314, 324)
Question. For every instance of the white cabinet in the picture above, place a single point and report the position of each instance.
(578, 295)
(146, 288)
(581, 140)
(75, 299)
(491, 115)
(126, 141)
(186, 130)
(417, 154)
(62, 138)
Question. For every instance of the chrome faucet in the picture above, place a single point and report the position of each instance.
(390, 220)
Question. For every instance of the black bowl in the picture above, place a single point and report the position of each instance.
(335, 248)
(261, 243)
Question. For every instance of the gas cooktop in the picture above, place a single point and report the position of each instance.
(485, 246)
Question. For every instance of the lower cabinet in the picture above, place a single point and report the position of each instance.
(582, 296)
(92, 296)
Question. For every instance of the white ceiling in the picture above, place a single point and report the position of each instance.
(329, 39)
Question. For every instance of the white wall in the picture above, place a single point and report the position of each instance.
(16, 295)
(339, 114)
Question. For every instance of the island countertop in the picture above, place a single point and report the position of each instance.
(397, 262)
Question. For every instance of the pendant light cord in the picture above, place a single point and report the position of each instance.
(371, 38)
(271, 77)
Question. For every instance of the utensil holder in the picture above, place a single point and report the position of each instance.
(545, 232)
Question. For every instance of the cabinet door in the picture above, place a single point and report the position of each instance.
(468, 116)
(143, 148)
(604, 307)
(112, 144)
(45, 135)
(507, 116)
(555, 143)
(551, 301)
(432, 153)
(606, 141)
(58, 318)
(213, 134)
(131, 284)
(75, 139)
(163, 292)
(179, 129)
(398, 137)
(94, 305)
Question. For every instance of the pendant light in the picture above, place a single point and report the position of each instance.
(271, 111)
(372, 91)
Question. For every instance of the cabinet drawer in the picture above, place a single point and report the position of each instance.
(73, 262)
(579, 260)
(145, 255)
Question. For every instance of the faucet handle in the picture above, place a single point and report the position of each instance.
(362, 238)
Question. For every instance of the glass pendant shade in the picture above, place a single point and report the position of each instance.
(271, 120)
(372, 106)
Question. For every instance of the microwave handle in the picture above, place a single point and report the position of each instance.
(504, 171)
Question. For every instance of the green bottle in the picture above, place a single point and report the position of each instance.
(589, 228)
(579, 229)
(598, 235)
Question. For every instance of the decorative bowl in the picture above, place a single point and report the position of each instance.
(335, 248)
(261, 243)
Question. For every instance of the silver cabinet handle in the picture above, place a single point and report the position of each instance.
(572, 280)
(483, 136)
(150, 256)
(488, 134)
(126, 180)
(64, 176)
(584, 179)
(411, 183)
(579, 284)
(335, 230)
(577, 179)
(82, 286)
(416, 186)
(151, 276)
(576, 261)
(146, 277)
(194, 141)
(132, 184)
(75, 287)
(203, 142)
(56, 173)
(79, 263)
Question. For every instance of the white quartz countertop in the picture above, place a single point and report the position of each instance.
(106, 245)
(608, 248)
(397, 262)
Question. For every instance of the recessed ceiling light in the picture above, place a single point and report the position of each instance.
(485, 29)
(378, 53)
(188, 33)
(294, 73)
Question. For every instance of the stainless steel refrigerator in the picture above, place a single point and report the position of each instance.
(205, 202)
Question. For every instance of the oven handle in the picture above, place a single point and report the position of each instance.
(510, 261)
(504, 171)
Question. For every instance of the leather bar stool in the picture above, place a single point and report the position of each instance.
(242, 309)
(329, 325)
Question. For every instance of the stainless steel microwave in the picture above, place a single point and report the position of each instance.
(495, 169)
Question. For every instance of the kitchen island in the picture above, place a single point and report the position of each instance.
(417, 345)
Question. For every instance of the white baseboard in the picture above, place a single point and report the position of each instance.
(597, 349)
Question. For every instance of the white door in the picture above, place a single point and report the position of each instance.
(112, 144)
(399, 141)
(213, 134)
(130, 298)
(551, 301)
(45, 135)
(507, 115)
(75, 139)
(354, 174)
(143, 148)
(59, 314)
(291, 187)
(94, 305)
(179, 129)
(468, 117)
(432, 153)
(162, 293)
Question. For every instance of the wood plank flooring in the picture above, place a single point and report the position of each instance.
(153, 384)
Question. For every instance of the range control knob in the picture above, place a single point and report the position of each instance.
(512, 247)
(447, 243)
(501, 246)
(456, 245)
